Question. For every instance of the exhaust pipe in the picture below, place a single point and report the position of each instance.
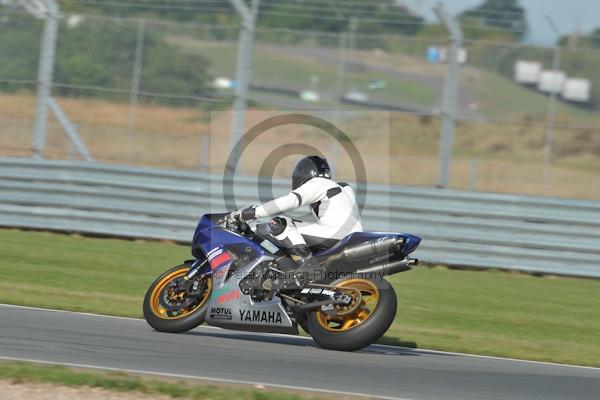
(368, 250)
(390, 268)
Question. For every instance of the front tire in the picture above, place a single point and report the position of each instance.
(190, 315)
(359, 325)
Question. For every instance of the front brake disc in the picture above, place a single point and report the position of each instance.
(175, 298)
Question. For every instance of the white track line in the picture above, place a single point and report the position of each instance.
(204, 378)
(375, 346)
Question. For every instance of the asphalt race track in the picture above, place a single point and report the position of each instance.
(278, 360)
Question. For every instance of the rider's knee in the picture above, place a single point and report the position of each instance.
(278, 225)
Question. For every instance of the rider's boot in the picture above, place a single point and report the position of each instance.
(309, 270)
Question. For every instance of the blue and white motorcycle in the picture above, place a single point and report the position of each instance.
(351, 307)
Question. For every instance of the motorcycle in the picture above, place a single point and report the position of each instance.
(229, 285)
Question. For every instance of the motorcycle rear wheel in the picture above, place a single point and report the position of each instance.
(180, 320)
(361, 323)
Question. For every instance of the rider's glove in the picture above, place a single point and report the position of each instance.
(234, 216)
(246, 214)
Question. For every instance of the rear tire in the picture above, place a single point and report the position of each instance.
(303, 322)
(163, 322)
(364, 333)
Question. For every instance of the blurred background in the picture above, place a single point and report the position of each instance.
(146, 83)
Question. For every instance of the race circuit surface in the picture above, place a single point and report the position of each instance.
(379, 371)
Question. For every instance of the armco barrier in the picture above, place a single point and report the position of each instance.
(535, 234)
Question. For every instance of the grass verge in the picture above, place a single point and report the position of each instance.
(491, 312)
(282, 69)
(20, 372)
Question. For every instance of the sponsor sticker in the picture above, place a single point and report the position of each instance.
(224, 295)
(221, 313)
(268, 317)
(218, 258)
(214, 252)
(325, 292)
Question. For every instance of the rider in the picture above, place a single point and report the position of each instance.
(333, 205)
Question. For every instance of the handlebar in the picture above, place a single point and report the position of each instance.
(237, 226)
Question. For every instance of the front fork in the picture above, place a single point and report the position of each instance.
(196, 267)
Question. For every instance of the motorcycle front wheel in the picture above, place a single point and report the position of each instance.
(169, 307)
(359, 324)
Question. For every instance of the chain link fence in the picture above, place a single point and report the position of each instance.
(153, 93)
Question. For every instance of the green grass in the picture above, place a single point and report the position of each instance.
(498, 313)
(269, 67)
(501, 98)
(497, 96)
(115, 381)
(106, 276)
(494, 313)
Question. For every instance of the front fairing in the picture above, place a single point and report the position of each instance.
(209, 234)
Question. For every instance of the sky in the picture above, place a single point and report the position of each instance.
(567, 14)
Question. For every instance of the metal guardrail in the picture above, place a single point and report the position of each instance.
(534, 234)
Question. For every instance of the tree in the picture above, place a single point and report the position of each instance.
(505, 18)
(595, 37)
(579, 40)
(374, 16)
(99, 53)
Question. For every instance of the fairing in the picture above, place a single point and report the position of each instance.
(209, 235)
(229, 307)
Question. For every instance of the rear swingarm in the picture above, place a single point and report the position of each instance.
(333, 297)
(302, 308)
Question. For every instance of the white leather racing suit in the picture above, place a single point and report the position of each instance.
(333, 206)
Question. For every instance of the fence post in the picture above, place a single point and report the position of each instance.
(70, 130)
(347, 42)
(339, 93)
(242, 75)
(551, 117)
(450, 96)
(135, 87)
(45, 72)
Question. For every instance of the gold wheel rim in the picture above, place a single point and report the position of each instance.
(163, 313)
(368, 302)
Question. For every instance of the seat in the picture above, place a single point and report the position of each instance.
(317, 244)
